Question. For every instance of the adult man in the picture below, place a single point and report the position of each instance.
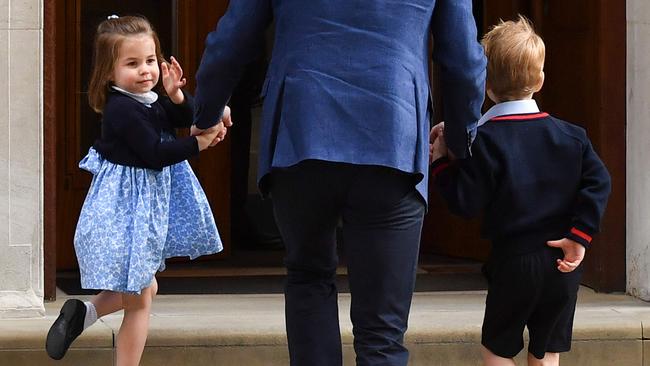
(345, 136)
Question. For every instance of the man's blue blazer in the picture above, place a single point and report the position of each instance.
(348, 79)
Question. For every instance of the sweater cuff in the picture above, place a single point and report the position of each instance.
(580, 237)
(439, 165)
(186, 109)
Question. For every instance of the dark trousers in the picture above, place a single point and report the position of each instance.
(381, 215)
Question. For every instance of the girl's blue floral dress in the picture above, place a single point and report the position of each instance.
(134, 218)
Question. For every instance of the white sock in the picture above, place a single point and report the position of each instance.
(91, 314)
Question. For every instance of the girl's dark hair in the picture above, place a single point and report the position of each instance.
(108, 39)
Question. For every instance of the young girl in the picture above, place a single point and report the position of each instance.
(144, 203)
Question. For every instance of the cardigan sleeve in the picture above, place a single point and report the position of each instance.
(180, 115)
(131, 122)
(590, 203)
(466, 184)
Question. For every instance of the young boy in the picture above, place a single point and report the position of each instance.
(542, 190)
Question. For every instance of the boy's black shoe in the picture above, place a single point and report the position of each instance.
(66, 328)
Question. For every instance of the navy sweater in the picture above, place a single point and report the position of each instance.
(533, 177)
(131, 132)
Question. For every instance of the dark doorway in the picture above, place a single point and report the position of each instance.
(585, 61)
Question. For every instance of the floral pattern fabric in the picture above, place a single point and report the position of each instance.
(135, 218)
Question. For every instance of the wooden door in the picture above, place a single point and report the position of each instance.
(443, 233)
(181, 26)
(585, 84)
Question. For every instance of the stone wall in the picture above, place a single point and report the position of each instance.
(21, 162)
(638, 148)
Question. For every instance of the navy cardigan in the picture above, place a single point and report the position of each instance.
(131, 132)
(534, 177)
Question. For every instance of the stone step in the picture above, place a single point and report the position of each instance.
(248, 330)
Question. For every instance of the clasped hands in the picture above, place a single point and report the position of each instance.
(173, 81)
(437, 146)
(574, 252)
(212, 136)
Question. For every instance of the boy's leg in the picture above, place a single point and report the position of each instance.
(550, 359)
(382, 222)
(307, 213)
(514, 288)
(134, 329)
(551, 324)
(490, 359)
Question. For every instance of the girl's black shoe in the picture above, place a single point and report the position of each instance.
(66, 328)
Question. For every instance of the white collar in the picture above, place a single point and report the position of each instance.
(147, 98)
(507, 108)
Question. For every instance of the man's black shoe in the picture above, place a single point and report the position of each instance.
(66, 328)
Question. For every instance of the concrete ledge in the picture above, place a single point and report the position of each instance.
(30, 334)
(249, 330)
(74, 357)
(20, 304)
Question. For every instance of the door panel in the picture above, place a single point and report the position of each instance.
(196, 18)
(585, 73)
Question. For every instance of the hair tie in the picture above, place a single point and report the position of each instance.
(112, 17)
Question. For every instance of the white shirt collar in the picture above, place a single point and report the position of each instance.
(508, 108)
(147, 98)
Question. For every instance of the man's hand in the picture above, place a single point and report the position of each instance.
(574, 253)
(437, 145)
(436, 131)
(205, 139)
(173, 80)
(223, 125)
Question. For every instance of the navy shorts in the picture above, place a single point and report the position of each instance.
(528, 290)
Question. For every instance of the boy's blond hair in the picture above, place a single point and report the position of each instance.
(515, 56)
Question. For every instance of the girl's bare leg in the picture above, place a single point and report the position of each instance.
(154, 288)
(135, 326)
(490, 359)
(107, 302)
(550, 359)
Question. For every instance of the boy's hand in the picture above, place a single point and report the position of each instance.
(173, 80)
(574, 253)
(437, 144)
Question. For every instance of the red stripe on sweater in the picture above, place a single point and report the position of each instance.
(520, 117)
(581, 234)
(439, 168)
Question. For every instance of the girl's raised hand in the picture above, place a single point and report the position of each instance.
(173, 80)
